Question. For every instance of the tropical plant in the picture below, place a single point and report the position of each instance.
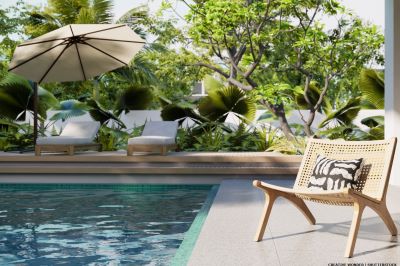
(219, 103)
(59, 13)
(99, 113)
(372, 87)
(283, 145)
(172, 112)
(343, 115)
(133, 98)
(68, 109)
(16, 98)
(15, 136)
(112, 138)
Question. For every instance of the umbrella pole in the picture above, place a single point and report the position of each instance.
(35, 112)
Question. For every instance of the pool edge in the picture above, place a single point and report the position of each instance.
(184, 251)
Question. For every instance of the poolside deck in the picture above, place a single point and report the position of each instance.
(173, 163)
(227, 234)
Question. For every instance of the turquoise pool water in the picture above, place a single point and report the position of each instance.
(95, 225)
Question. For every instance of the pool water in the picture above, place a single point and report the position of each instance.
(95, 225)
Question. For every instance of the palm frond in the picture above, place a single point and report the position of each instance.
(134, 98)
(219, 103)
(68, 109)
(372, 86)
(102, 11)
(99, 113)
(345, 114)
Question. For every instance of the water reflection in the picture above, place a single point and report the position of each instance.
(94, 226)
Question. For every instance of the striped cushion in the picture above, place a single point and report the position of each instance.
(330, 174)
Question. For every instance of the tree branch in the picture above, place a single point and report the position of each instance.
(214, 68)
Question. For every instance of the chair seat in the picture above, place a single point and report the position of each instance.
(63, 140)
(151, 140)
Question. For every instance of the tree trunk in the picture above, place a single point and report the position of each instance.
(307, 127)
(279, 111)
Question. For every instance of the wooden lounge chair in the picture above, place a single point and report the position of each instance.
(156, 136)
(370, 189)
(75, 136)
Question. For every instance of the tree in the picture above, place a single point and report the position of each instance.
(59, 13)
(248, 42)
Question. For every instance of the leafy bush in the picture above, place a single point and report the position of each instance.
(112, 139)
(14, 136)
(214, 137)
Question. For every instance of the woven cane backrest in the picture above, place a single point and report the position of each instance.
(377, 155)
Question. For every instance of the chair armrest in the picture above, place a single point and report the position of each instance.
(265, 186)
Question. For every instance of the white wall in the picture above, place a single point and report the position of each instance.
(392, 79)
(139, 117)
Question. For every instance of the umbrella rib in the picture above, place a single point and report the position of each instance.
(114, 40)
(32, 43)
(55, 61)
(119, 26)
(79, 55)
(33, 57)
(113, 57)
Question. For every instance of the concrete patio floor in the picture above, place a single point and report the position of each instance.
(227, 234)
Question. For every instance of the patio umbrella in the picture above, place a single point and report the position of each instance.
(74, 52)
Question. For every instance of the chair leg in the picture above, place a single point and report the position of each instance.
(70, 150)
(129, 151)
(269, 202)
(301, 205)
(38, 150)
(383, 212)
(355, 225)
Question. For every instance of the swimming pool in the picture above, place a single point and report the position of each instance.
(95, 224)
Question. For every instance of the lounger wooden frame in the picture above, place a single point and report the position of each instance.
(68, 148)
(370, 191)
(149, 148)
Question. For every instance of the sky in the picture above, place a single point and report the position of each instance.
(370, 10)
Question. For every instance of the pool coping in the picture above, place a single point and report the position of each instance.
(184, 251)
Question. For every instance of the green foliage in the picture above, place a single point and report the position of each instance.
(15, 136)
(219, 103)
(112, 139)
(134, 98)
(343, 115)
(59, 13)
(16, 98)
(214, 137)
(296, 146)
(313, 93)
(99, 113)
(211, 84)
(173, 112)
(373, 121)
(68, 109)
(372, 86)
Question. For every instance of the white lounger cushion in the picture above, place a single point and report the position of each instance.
(87, 129)
(151, 140)
(74, 133)
(161, 128)
(63, 140)
(157, 133)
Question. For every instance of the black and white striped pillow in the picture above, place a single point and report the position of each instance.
(330, 174)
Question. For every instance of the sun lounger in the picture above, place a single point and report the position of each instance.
(75, 136)
(156, 136)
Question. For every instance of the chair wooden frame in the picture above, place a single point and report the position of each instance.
(68, 148)
(148, 148)
(370, 190)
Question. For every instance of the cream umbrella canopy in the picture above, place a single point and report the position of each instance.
(74, 52)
